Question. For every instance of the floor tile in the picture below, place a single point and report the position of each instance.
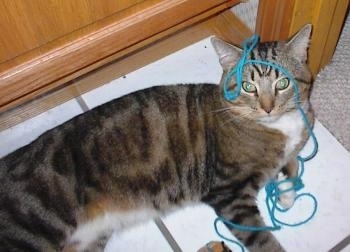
(193, 64)
(145, 237)
(193, 227)
(327, 177)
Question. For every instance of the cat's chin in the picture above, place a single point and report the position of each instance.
(268, 119)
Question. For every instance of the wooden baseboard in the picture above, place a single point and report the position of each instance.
(226, 25)
(56, 63)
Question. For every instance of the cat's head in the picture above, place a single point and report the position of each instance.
(266, 93)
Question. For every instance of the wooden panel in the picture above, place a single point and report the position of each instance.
(215, 25)
(230, 28)
(303, 13)
(326, 17)
(27, 24)
(61, 63)
(334, 31)
(274, 19)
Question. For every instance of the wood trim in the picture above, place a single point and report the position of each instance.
(274, 19)
(334, 31)
(279, 19)
(230, 28)
(26, 25)
(328, 22)
(216, 25)
(327, 18)
(59, 64)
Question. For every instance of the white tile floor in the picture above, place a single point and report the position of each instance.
(327, 176)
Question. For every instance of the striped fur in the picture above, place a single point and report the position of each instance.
(151, 152)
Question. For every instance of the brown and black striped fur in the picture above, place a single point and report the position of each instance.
(150, 152)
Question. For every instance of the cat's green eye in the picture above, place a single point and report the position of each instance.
(248, 87)
(282, 84)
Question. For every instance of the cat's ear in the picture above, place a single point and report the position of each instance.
(228, 54)
(299, 43)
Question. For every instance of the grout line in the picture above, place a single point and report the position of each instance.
(82, 103)
(167, 235)
(342, 244)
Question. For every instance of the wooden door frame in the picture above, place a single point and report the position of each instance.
(279, 19)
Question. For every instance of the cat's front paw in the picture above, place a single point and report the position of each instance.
(286, 199)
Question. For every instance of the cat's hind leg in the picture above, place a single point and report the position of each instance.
(93, 234)
(97, 246)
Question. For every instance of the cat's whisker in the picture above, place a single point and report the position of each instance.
(226, 109)
(238, 117)
(232, 119)
(227, 121)
(240, 114)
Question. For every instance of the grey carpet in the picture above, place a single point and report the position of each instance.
(331, 95)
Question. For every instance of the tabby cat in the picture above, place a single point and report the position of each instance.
(158, 149)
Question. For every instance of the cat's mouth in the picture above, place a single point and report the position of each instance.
(268, 118)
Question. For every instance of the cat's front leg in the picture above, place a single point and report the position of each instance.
(244, 211)
(290, 171)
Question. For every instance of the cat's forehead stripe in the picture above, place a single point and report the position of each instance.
(252, 56)
(277, 73)
(273, 50)
(268, 72)
(264, 51)
(252, 75)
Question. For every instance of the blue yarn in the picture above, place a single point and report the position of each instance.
(271, 188)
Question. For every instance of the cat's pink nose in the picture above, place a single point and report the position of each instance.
(268, 110)
(267, 102)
